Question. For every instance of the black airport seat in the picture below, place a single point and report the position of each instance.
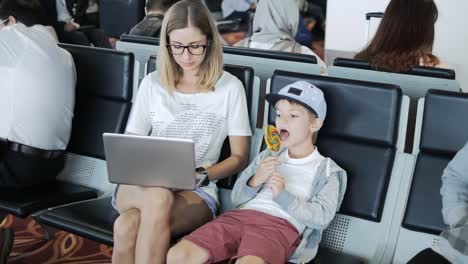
(139, 39)
(442, 130)
(443, 134)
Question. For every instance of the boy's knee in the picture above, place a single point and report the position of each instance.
(250, 260)
(186, 252)
(178, 254)
(126, 226)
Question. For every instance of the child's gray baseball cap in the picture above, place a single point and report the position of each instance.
(303, 93)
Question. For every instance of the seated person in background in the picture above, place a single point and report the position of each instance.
(452, 246)
(150, 26)
(190, 97)
(37, 96)
(311, 20)
(68, 17)
(275, 26)
(285, 201)
(233, 9)
(404, 38)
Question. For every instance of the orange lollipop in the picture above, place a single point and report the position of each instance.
(272, 138)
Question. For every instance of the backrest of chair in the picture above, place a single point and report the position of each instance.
(103, 93)
(414, 83)
(359, 133)
(118, 17)
(418, 71)
(443, 134)
(102, 104)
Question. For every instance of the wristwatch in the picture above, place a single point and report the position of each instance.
(205, 180)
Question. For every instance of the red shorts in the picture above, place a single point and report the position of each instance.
(245, 232)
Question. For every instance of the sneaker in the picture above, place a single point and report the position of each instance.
(6, 244)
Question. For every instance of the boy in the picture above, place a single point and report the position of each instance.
(285, 201)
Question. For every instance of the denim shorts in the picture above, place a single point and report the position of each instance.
(209, 200)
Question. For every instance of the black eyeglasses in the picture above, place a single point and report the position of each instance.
(194, 49)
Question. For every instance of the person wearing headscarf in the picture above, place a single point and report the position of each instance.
(275, 26)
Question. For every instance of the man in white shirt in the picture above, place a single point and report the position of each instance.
(37, 96)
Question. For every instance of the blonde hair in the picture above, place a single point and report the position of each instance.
(190, 13)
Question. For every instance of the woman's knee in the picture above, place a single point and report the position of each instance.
(158, 200)
(126, 226)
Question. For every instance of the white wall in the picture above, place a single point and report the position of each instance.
(346, 25)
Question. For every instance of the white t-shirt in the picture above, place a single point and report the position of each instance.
(229, 6)
(37, 88)
(299, 175)
(206, 118)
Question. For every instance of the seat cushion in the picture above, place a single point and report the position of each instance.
(23, 203)
(424, 208)
(92, 219)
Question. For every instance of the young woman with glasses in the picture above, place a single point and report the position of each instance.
(191, 97)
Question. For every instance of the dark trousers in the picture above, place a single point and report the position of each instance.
(428, 256)
(85, 37)
(90, 33)
(18, 171)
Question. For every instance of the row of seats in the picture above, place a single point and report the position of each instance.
(414, 83)
(364, 131)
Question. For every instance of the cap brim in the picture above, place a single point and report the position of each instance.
(272, 99)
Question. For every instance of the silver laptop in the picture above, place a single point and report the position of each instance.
(150, 161)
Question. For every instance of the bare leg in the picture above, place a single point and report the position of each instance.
(162, 213)
(125, 234)
(154, 236)
(250, 260)
(189, 213)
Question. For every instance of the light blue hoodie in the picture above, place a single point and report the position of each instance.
(328, 189)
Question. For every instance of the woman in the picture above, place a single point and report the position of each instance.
(188, 97)
(275, 26)
(404, 38)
